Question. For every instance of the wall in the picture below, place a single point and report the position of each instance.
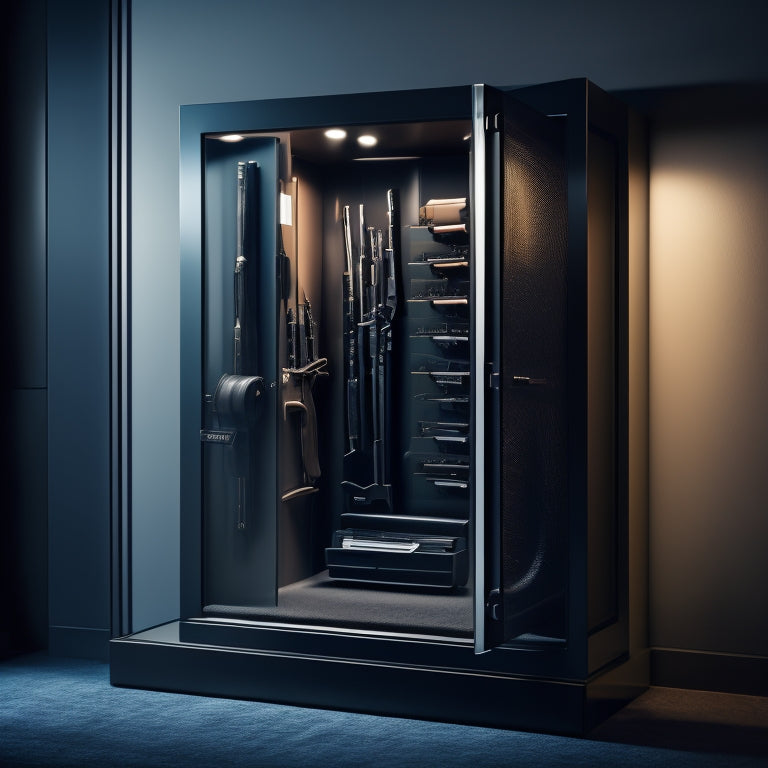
(191, 52)
(23, 316)
(78, 350)
(709, 371)
(54, 251)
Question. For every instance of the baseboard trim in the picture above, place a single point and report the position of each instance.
(709, 671)
(79, 642)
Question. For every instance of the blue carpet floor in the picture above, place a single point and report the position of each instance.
(63, 712)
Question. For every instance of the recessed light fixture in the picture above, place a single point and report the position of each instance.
(367, 140)
(231, 137)
(380, 159)
(336, 134)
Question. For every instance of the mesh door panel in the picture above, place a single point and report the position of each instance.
(533, 346)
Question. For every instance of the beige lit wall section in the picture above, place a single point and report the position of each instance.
(709, 378)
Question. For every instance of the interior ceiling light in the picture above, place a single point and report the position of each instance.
(367, 140)
(379, 159)
(231, 137)
(336, 134)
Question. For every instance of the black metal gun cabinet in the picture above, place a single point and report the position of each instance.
(404, 410)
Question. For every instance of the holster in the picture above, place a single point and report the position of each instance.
(297, 396)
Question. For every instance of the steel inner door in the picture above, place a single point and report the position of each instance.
(519, 378)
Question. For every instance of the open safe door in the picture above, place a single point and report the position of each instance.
(520, 509)
(239, 420)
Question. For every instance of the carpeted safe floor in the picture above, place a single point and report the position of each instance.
(63, 712)
(323, 601)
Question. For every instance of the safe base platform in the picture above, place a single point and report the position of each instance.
(422, 677)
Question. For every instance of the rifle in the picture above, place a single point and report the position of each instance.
(386, 312)
(364, 329)
(298, 381)
(369, 352)
(235, 401)
(353, 418)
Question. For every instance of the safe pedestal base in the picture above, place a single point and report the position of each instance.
(279, 672)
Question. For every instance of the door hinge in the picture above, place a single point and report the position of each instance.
(493, 605)
(494, 376)
(493, 122)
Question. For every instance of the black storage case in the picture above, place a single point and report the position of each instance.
(521, 619)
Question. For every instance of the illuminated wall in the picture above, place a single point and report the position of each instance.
(709, 373)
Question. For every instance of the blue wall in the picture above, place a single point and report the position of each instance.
(78, 328)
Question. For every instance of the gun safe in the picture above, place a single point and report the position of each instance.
(404, 406)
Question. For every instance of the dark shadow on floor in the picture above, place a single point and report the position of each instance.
(694, 721)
